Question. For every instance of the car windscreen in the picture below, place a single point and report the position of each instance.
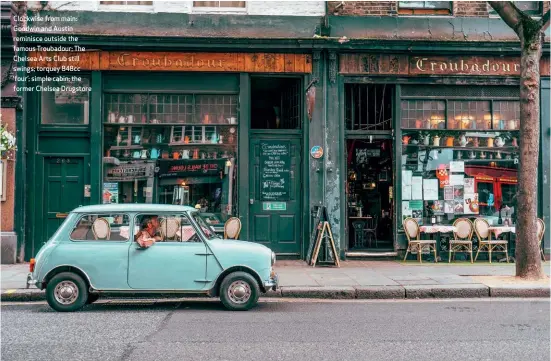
(207, 230)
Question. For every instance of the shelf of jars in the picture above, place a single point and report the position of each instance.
(156, 125)
(462, 140)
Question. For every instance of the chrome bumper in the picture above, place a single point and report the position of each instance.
(273, 283)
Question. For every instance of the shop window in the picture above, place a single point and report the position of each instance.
(101, 227)
(469, 115)
(425, 114)
(65, 102)
(425, 7)
(172, 149)
(127, 3)
(460, 114)
(368, 107)
(276, 103)
(219, 4)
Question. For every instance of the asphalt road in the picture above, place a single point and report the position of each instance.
(495, 329)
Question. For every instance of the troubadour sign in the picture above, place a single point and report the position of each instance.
(172, 61)
(414, 65)
(191, 167)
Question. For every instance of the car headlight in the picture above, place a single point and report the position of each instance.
(273, 258)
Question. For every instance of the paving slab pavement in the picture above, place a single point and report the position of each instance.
(361, 279)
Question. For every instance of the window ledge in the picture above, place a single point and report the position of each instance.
(206, 10)
(127, 8)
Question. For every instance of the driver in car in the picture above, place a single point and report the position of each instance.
(148, 233)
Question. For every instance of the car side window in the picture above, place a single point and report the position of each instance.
(101, 227)
(165, 228)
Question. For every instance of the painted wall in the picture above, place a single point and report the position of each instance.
(283, 8)
(8, 119)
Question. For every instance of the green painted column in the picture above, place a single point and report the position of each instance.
(96, 133)
(545, 162)
(243, 153)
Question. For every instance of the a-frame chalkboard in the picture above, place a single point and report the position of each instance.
(321, 232)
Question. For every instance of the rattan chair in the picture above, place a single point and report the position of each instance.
(485, 243)
(169, 228)
(101, 229)
(462, 241)
(415, 243)
(541, 232)
(232, 228)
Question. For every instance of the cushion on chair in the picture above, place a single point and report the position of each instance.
(464, 228)
(540, 226)
(232, 228)
(101, 228)
(169, 227)
(481, 226)
(411, 227)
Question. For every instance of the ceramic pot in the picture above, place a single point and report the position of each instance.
(515, 142)
(463, 141)
(436, 141)
(449, 141)
(418, 124)
(476, 142)
(426, 140)
(499, 142)
(490, 142)
(175, 155)
(405, 139)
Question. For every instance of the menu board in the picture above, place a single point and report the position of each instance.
(275, 170)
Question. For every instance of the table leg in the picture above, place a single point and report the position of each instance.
(438, 246)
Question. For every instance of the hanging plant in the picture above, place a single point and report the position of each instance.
(7, 145)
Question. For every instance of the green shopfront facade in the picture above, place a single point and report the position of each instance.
(228, 126)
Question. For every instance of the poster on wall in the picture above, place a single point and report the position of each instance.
(468, 183)
(443, 176)
(458, 200)
(437, 207)
(457, 179)
(417, 211)
(457, 167)
(448, 206)
(430, 189)
(470, 205)
(406, 211)
(110, 193)
(416, 187)
(448, 193)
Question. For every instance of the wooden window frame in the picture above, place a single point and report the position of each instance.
(125, 7)
(537, 13)
(219, 9)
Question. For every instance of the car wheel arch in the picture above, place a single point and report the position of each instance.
(216, 289)
(59, 269)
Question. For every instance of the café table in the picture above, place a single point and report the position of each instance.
(499, 230)
(437, 229)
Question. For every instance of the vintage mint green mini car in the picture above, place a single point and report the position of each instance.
(96, 252)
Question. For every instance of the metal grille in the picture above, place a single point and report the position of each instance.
(291, 107)
(368, 106)
(215, 108)
(460, 91)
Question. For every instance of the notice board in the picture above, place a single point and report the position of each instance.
(275, 170)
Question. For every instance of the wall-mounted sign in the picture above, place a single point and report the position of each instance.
(110, 193)
(191, 167)
(129, 172)
(275, 170)
(316, 152)
(414, 65)
(274, 206)
(174, 61)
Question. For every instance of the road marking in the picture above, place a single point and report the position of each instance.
(9, 292)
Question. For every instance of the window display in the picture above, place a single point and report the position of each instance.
(171, 149)
(465, 154)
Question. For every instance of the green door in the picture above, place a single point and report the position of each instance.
(275, 193)
(63, 191)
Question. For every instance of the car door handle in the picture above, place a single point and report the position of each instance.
(141, 248)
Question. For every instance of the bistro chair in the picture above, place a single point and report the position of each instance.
(101, 229)
(415, 243)
(371, 230)
(541, 232)
(462, 241)
(359, 235)
(485, 243)
(232, 228)
(169, 228)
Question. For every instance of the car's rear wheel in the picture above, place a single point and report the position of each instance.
(239, 291)
(66, 292)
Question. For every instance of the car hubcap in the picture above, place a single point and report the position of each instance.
(66, 292)
(239, 292)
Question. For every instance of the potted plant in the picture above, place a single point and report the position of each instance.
(7, 145)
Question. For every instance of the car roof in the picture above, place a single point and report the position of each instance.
(132, 207)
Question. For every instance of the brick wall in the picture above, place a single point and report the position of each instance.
(390, 8)
(470, 9)
(8, 119)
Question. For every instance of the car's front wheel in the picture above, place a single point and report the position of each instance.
(66, 292)
(239, 291)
